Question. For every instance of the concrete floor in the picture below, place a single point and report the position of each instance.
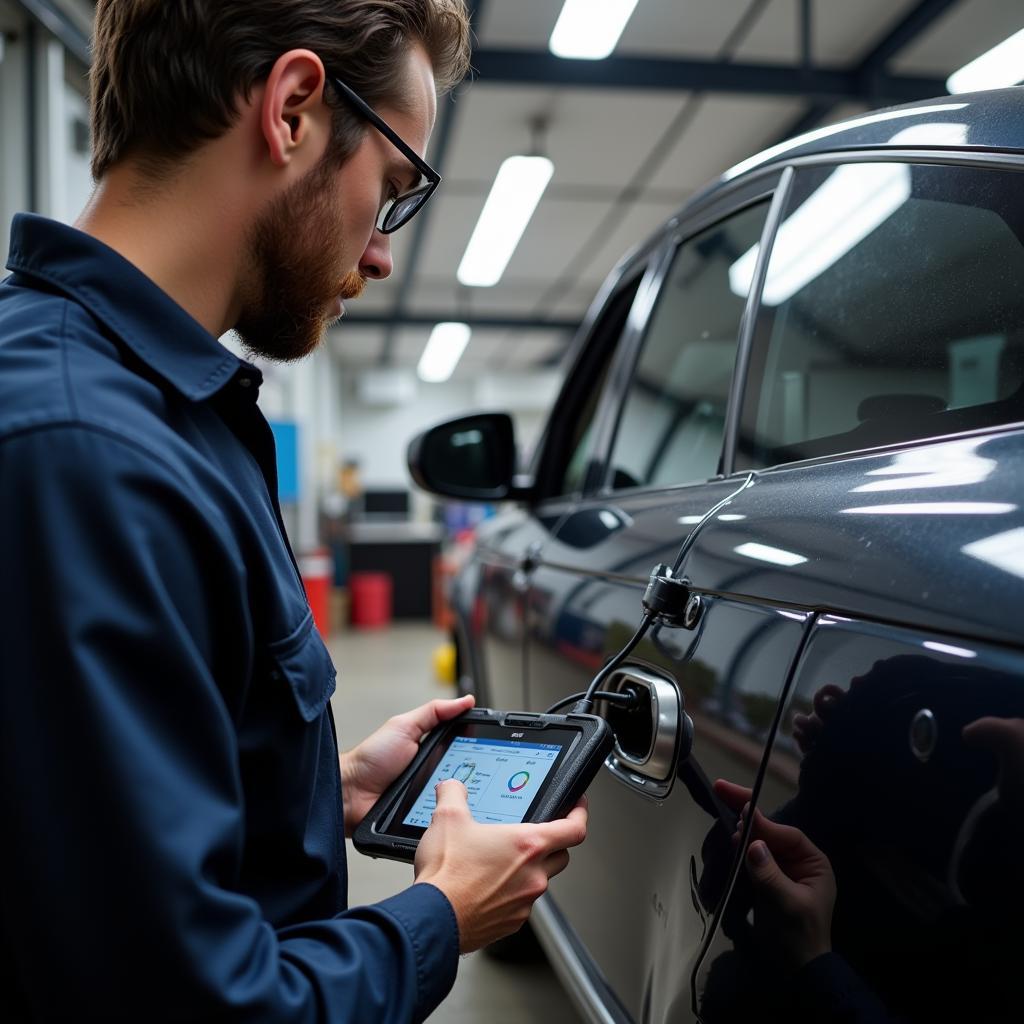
(380, 674)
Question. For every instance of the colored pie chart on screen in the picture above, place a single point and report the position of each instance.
(518, 781)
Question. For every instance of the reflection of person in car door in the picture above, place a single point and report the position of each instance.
(926, 874)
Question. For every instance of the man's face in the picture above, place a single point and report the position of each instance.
(316, 244)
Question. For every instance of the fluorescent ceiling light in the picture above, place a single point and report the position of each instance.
(444, 350)
(1003, 65)
(514, 196)
(764, 553)
(590, 29)
(838, 216)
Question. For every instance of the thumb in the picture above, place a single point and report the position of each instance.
(452, 794)
(763, 868)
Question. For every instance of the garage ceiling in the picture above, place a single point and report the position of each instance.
(693, 87)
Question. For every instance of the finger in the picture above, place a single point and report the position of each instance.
(1003, 736)
(430, 715)
(452, 794)
(732, 795)
(787, 842)
(565, 832)
(556, 863)
(827, 698)
(762, 867)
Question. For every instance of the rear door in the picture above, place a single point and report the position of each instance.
(642, 891)
(881, 424)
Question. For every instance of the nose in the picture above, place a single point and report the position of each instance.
(376, 263)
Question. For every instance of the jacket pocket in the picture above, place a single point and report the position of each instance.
(303, 660)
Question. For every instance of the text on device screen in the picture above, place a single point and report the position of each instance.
(501, 777)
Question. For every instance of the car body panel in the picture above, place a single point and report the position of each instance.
(895, 575)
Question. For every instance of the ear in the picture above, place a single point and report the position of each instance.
(293, 107)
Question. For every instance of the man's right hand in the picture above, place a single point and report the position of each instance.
(492, 874)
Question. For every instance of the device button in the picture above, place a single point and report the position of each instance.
(527, 721)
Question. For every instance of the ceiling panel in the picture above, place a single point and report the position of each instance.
(725, 130)
(966, 31)
(841, 32)
(639, 222)
(663, 27)
(594, 136)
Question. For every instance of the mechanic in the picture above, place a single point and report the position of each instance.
(173, 801)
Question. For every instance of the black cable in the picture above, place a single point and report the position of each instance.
(586, 703)
(623, 700)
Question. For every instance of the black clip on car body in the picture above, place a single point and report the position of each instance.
(517, 766)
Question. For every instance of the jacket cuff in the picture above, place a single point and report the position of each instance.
(425, 914)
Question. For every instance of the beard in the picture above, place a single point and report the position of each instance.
(293, 281)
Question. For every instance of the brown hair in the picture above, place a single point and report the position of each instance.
(167, 74)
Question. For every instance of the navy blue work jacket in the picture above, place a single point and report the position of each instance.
(171, 828)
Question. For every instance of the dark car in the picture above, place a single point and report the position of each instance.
(805, 394)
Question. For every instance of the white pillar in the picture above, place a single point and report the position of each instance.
(51, 129)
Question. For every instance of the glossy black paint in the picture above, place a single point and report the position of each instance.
(859, 613)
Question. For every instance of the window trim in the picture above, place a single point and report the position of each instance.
(644, 265)
(991, 160)
(745, 194)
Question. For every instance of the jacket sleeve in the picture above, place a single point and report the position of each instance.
(121, 795)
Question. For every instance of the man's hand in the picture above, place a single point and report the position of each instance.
(492, 874)
(795, 889)
(371, 767)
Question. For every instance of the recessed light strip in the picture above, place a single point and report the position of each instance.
(444, 350)
(590, 29)
(1001, 66)
(517, 190)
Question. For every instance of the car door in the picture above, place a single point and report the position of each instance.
(491, 593)
(630, 917)
(882, 427)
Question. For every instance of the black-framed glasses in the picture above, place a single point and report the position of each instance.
(398, 210)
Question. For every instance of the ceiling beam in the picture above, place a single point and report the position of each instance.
(478, 321)
(60, 24)
(521, 67)
(870, 70)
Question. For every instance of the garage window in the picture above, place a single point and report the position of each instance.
(892, 310)
(671, 427)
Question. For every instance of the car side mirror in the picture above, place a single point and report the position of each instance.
(472, 458)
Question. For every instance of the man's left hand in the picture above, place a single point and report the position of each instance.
(370, 768)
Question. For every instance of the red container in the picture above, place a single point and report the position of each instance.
(317, 571)
(371, 600)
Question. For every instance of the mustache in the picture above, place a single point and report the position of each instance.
(352, 286)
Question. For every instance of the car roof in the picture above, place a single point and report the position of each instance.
(979, 122)
(968, 122)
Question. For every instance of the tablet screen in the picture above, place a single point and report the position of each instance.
(502, 777)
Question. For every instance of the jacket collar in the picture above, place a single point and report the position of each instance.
(144, 317)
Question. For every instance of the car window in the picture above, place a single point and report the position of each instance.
(574, 466)
(892, 310)
(673, 420)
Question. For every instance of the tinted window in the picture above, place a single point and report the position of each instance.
(893, 309)
(573, 429)
(674, 416)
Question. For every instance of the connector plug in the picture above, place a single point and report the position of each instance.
(666, 596)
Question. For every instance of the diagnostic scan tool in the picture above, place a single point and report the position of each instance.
(515, 766)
